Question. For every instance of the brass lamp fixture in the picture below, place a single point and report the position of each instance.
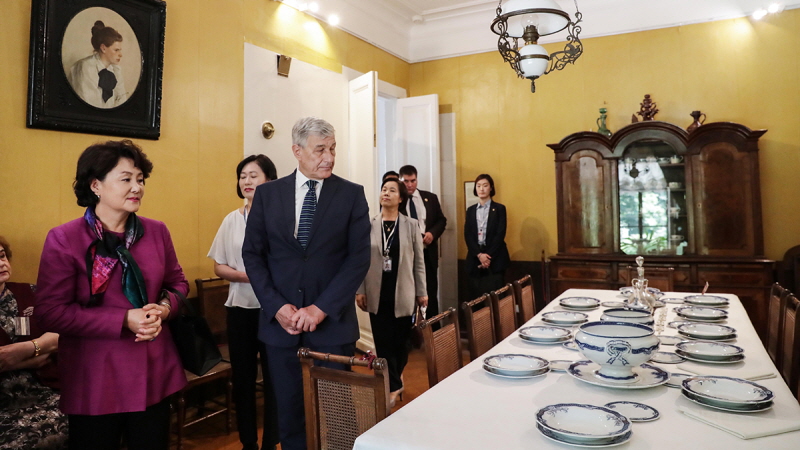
(529, 20)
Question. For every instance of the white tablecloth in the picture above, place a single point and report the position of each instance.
(472, 409)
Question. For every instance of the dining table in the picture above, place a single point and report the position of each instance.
(475, 409)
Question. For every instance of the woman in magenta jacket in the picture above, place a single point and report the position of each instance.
(104, 285)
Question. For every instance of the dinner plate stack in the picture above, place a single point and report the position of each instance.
(727, 394)
(583, 425)
(516, 366)
(701, 313)
(579, 303)
(565, 318)
(707, 331)
(710, 352)
(545, 335)
(714, 301)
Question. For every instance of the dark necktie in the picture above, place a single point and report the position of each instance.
(412, 208)
(107, 82)
(307, 214)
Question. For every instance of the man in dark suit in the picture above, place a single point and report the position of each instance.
(424, 206)
(306, 251)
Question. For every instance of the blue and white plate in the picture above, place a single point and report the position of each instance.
(729, 360)
(706, 300)
(726, 389)
(676, 379)
(570, 345)
(701, 313)
(673, 300)
(582, 422)
(544, 334)
(666, 358)
(707, 331)
(677, 323)
(613, 304)
(647, 376)
(634, 411)
(515, 365)
(715, 351)
(600, 443)
(670, 340)
(579, 303)
(723, 407)
(565, 318)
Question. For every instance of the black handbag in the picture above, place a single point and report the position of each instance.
(195, 342)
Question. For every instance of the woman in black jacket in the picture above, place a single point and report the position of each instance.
(485, 233)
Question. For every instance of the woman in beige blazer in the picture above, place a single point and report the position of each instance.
(395, 281)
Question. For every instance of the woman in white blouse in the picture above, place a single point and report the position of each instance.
(97, 79)
(243, 310)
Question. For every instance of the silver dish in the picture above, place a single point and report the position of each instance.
(634, 411)
(609, 442)
(710, 350)
(647, 376)
(706, 300)
(666, 358)
(544, 334)
(695, 358)
(515, 364)
(669, 340)
(581, 421)
(676, 379)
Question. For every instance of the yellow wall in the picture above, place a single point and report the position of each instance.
(734, 70)
(192, 185)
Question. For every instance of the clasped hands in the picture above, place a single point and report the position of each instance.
(485, 260)
(296, 321)
(145, 322)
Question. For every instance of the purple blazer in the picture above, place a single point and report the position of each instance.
(102, 369)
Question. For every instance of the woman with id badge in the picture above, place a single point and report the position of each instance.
(395, 282)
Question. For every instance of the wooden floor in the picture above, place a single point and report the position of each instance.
(210, 435)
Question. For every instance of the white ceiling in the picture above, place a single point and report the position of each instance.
(422, 30)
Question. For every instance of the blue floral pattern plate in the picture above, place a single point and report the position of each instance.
(634, 411)
(647, 376)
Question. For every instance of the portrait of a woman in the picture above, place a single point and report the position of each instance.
(98, 78)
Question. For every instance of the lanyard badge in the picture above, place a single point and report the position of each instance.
(387, 243)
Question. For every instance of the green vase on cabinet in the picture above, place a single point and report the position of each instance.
(601, 123)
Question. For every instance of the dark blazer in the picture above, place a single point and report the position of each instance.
(326, 274)
(495, 239)
(435, 221)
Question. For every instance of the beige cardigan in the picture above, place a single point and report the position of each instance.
(410, 270)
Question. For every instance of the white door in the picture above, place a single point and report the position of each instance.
(363, 163)
(417, 140)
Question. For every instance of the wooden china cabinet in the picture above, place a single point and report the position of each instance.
(691, 201)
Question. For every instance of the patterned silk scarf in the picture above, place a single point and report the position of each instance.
(105, 252)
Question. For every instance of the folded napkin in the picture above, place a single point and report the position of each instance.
(743, 426)
(746, 373)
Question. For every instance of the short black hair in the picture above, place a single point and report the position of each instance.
(97, 160)
(487, 177)
(266, 166)
(401, 187)
(408, 169)
(390, 174)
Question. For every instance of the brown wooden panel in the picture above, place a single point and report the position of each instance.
(755, 276)
(585, 208)
(584, 272)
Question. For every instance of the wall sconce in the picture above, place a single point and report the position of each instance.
(284, 63)
(529, 20)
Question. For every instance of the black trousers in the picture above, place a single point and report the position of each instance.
(431, 257)
(484, 282)
(287, 381)
(392, 341)
(245, 349)
(143, 430)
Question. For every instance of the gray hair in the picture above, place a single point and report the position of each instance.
(308, 126)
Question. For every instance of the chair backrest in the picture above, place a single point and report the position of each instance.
(212, 293)
(662, 278)
(789, 341)
(777, 297)
(341, 405)
(442, 346)
(479, 324)
(505, 316)
(790, 273)
(525, 299)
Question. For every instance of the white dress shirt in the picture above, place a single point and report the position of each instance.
(482, 217)
(84, 76)
(227, 249)
(300, 190)
(420, 206)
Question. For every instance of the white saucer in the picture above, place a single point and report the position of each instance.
(619, 440)
(734, 359)
(634, 411)
(648, 376)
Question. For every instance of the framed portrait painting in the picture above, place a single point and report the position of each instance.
(96, 66)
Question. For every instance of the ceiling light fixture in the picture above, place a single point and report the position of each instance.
(759, 14)
(529, 20)
(333, 20)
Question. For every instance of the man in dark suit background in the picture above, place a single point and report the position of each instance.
(306, 251)
(424, 206)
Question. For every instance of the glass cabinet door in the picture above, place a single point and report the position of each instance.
(652, 200)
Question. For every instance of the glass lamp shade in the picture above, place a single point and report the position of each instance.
(547, 16)
(533, 60)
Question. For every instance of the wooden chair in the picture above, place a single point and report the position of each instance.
(662, 278)
(341, 405)
(212, 293)
(777, 299)
(524, 298)
(443, 346)
(479, 324)
(221, 371)
(504, 312)
(789, 342)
